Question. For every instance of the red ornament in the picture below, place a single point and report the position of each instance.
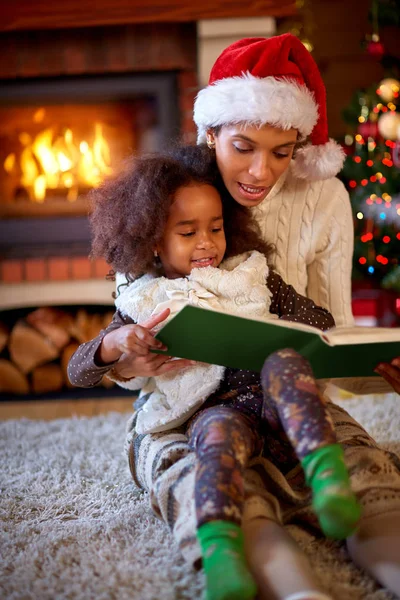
(376, 49)
(348, 150)
(368, 129)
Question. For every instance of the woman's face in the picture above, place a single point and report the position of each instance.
(194, 233)
(251, 159)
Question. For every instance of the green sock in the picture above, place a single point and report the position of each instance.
(335, 504)
(224, 563)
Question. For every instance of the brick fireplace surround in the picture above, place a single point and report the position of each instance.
(132, 49)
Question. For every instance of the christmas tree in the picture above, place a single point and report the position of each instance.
(372, 174)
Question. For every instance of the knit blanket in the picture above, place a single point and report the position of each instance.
(75, 526)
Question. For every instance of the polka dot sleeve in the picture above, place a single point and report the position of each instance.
(291, 306)
(83, 368)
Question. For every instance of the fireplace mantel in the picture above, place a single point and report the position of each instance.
(56, 293)
(46, 14)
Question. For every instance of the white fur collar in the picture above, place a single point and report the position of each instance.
(237, 286)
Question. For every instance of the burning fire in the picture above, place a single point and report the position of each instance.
(49, 161)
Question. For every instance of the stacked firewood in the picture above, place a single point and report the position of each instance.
(34, 354)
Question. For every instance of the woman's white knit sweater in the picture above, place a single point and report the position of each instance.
(311, 226)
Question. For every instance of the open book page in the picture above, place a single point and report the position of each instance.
(341, 336)
(275, 320)
(230, 341)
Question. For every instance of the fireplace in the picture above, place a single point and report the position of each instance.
(73, 104)
(59, 138)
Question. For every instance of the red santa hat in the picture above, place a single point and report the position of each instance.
(257, 81)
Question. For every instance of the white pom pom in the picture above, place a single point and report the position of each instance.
(318, 162)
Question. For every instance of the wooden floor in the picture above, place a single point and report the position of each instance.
(60, 409)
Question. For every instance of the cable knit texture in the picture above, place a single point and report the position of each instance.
(238, 286)
(311, 226)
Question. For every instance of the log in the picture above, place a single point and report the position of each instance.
(53, 323)
(11, 379)
(87, 326)
(4, 335)
(47, 378)
(28, 348)
(65, 357)
(79, 327)
(95, 325)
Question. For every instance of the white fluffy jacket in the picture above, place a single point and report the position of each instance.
(238, 286)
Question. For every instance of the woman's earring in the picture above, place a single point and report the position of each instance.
(155, 254)
(211, 143)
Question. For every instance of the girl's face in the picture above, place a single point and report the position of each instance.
(251, 159)
(194, 233)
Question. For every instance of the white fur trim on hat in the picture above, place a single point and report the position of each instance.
(255, 100)
(314, 162)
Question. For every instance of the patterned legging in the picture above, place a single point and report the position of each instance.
(234, 427)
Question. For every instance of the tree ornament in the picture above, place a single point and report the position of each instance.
(389, 125)
(368, 129)
(388, 89)
(376, 49)
(374, 46)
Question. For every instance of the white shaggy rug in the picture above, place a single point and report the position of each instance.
(74, 526)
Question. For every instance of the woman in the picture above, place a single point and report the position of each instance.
(265, 97)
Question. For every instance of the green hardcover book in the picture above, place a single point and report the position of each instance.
(231, 341)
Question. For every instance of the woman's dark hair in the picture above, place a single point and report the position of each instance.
(130, 211)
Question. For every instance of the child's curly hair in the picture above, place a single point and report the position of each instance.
(130, 211)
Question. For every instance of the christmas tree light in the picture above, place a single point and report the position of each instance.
(372, 175)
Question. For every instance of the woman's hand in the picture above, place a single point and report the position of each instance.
(391, 373)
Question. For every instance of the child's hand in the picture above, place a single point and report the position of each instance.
(133, 340)
(148, 365)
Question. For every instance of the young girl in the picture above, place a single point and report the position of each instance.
(166, 224)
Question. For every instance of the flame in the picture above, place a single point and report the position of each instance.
(30, 170)
(49, 161)
(39, 187)
(9, 162)
(101, 151)
(39, 115)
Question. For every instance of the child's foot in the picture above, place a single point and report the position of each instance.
(224, 563)
(335, 504)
